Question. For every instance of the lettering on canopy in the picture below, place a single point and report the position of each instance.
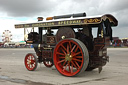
(61, 23)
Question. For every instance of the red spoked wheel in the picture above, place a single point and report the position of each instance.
(48, 63)
(71, 57)
(30, 61)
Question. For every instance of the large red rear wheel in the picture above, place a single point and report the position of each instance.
(70, 57)
(30, 61)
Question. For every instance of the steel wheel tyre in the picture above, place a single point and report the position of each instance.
(70, 57)
(30, 62)
(48, 63)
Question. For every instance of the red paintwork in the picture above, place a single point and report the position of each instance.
(67, 67)
(32, 65)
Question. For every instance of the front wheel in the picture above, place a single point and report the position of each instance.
(70, 57)
(31, 61)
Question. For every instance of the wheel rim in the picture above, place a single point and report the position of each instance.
(68, 57)
(30, 62)
(48, 63)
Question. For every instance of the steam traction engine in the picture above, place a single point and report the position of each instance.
(67, 42)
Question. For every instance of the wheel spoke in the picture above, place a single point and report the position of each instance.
(69, 66)
(74, 65)
(72, 68)
(63, 47)
(76, 54)
(65, 67)
(67, 49)
(77, 64)
(32, 61)
(70, 45)
(33, 58)
(61, 57)
(28, 60)
(73, 48)
(77, 60)
(60, 61)
(30, 66)
(60, 53)
(63, 51)
(30, 57)
(33, 65)
(76, 49)
(64, 63)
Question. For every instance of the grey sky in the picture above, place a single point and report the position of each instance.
(35, 8)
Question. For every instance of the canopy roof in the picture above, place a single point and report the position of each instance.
(71, 21)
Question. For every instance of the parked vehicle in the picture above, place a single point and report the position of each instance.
(73, 49)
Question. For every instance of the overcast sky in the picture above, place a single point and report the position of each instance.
(17, 11)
